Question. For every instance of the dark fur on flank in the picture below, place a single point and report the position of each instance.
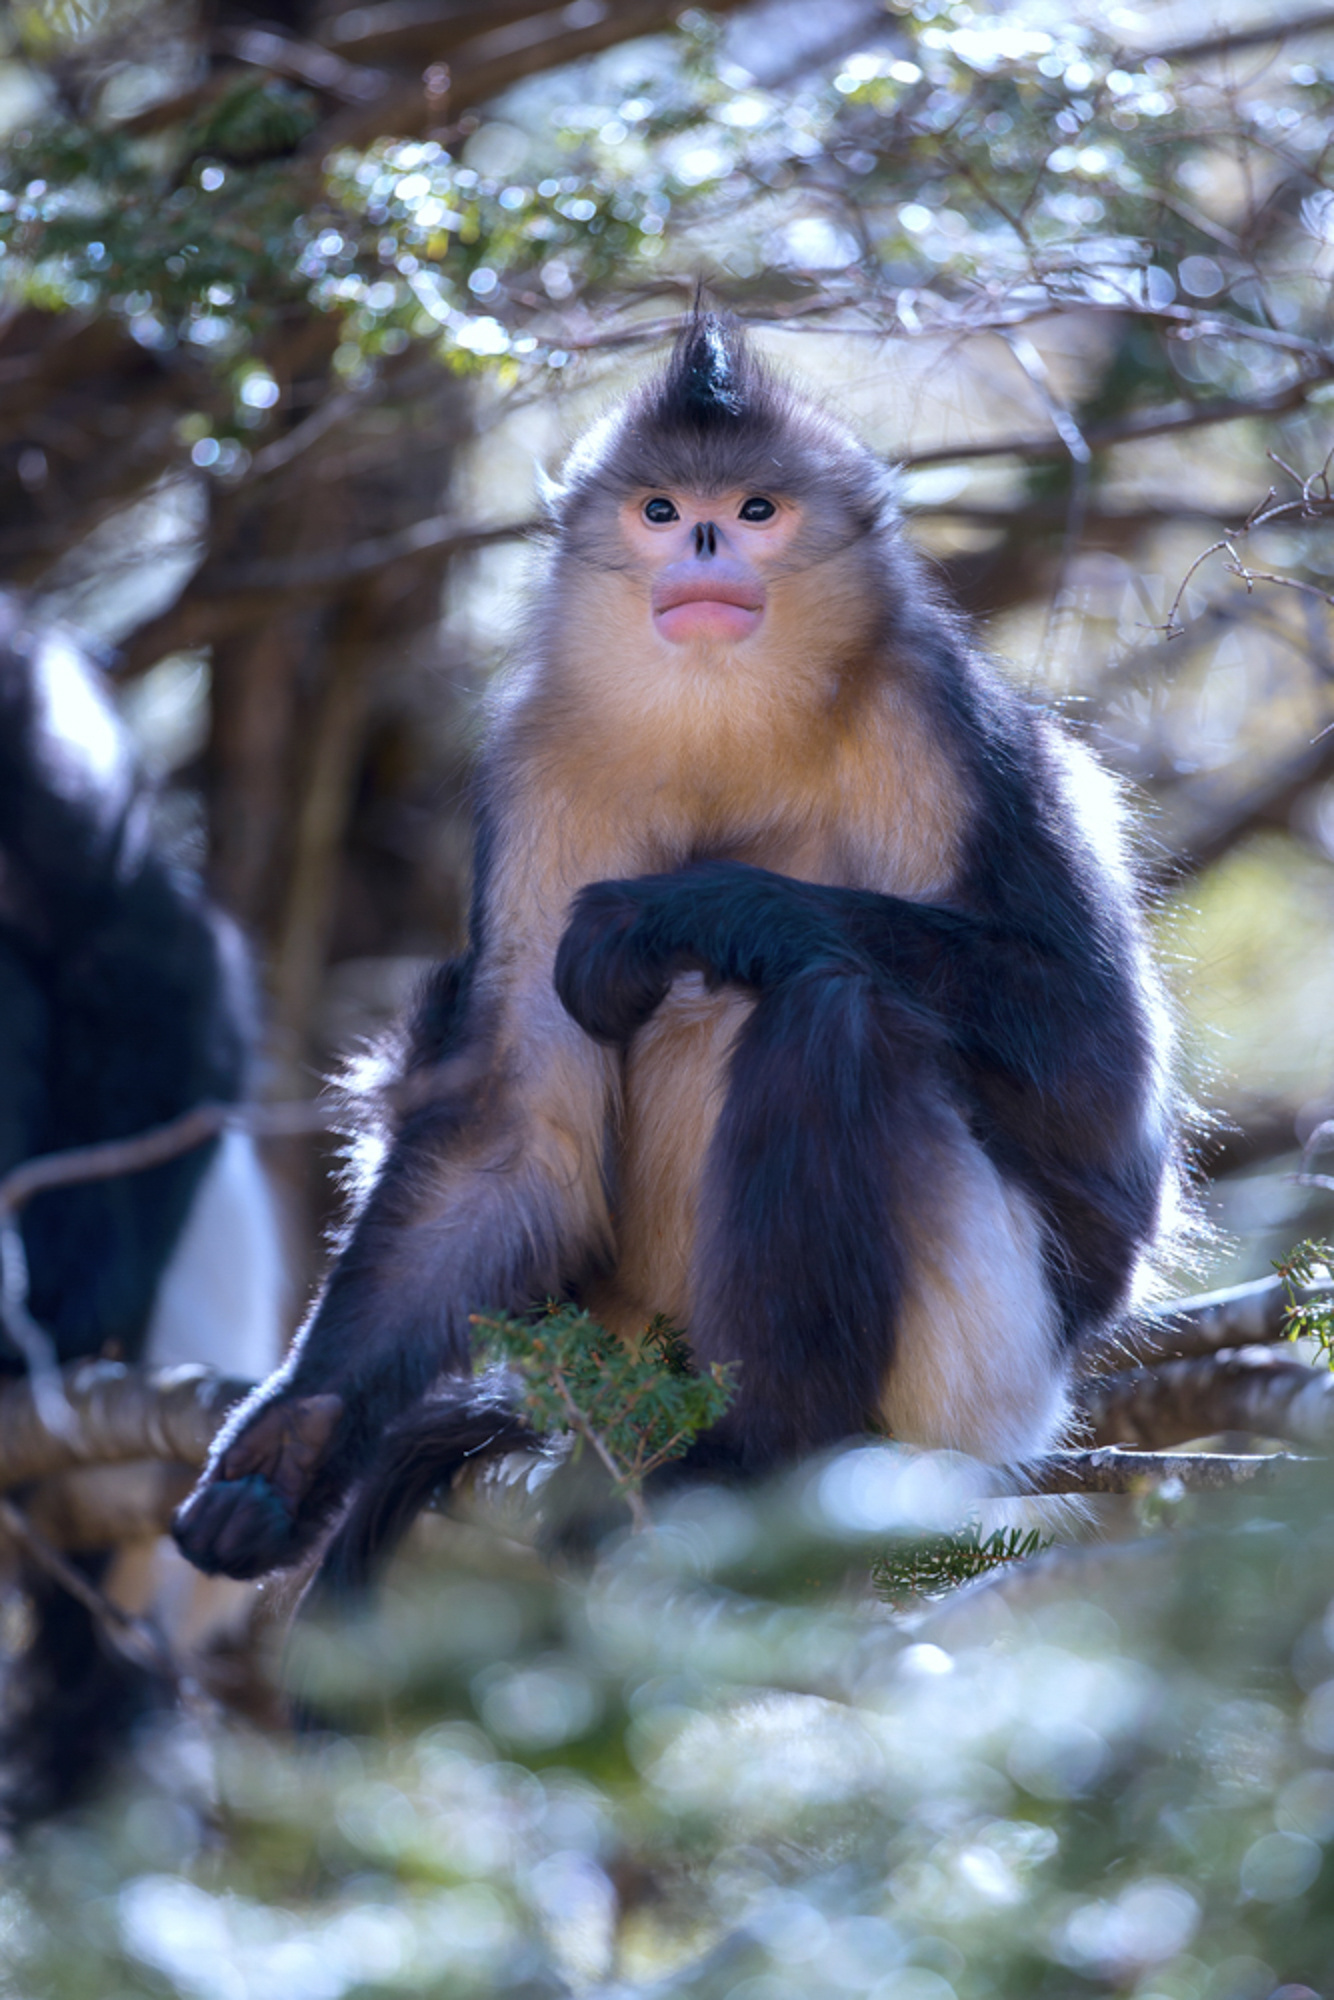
(998, 1031)
(124, 1003)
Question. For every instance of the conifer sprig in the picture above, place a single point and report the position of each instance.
(1306, 1272)
(930, 1568)
(636, 1408)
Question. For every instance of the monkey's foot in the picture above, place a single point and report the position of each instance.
(246, 1516)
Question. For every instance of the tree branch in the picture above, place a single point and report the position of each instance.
(117, 1414)
(114, 1157)
(133, 1637)
(1110, 1471)
(439, 536)
(1316, 22)
(1248, 1389)
(1236, 1316)
(1166, 421)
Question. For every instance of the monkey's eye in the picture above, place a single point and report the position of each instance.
(757, 508)
(659, 511)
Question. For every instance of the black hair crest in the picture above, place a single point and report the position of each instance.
(710, 379)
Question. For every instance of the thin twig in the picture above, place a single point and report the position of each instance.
(113, 1157)
(132, 1637)
(634, 1500)
(1308, 505)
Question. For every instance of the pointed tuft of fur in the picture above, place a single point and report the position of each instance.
(712, 378)
(716, 419)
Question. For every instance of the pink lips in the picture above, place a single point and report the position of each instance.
(706, 607)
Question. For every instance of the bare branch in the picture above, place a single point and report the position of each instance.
(1269, 803)
(307, 62)
(1245, 1389)
(1238, 1316)
(1110, 1471)
(118, 1414)
(438, 536)
(132, 1637)
(1320, 1138)
(1313, 502)
(1168, 420)
(94, 1507)
(1266, 32)
(164, 1142)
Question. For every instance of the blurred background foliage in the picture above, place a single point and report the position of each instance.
(292, 296)
(708, 1769)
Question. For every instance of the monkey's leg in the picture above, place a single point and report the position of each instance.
(815, 1167)
(483, 1205)
(858, 1254)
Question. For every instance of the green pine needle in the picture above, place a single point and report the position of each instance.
(1309, 1265)
(637, 1409)
(930, 1568)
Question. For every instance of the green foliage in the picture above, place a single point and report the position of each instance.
(255, 119)
(985, 166)
(638, 1410)
(1308, 1269)
(663, 1779)
(931, 1567)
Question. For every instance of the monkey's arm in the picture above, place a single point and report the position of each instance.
(1035, 1012)
(1038, 1002)
(746, 926)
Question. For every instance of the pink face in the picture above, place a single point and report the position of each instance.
(706, 555)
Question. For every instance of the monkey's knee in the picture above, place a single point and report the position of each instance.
(252, 1511)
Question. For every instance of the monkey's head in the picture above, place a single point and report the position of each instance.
(697, 513)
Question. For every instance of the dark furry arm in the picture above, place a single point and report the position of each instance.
(1031, 989)
(739, 926)
(995, 989)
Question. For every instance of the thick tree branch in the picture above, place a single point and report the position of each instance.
(1237, 1316)
(118, 1414)
(1110, 1471)
(1248, 1389)
(152, 1429)
(95, 1507)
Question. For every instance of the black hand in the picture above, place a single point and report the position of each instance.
(611, 972)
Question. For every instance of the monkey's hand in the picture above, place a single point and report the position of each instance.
(738, 925)
(262, 1501)
(612, 969)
